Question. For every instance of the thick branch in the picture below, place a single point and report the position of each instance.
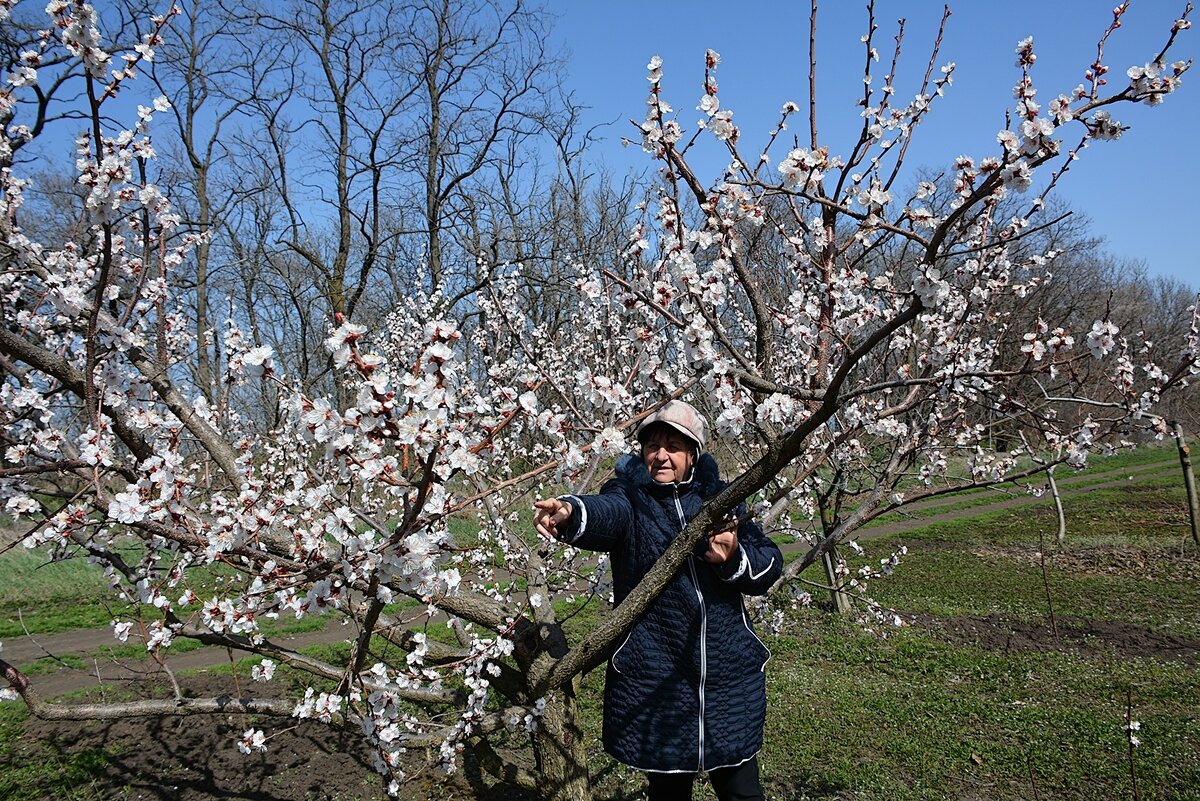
(52, 364)
(220, 450)
(318, 668)
(139, 709)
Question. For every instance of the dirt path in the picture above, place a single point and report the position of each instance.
(91, 643)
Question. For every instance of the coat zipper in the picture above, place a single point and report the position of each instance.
(703, 638)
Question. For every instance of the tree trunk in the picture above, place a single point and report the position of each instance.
(839, 600)
(1189, 481)
(558, 748)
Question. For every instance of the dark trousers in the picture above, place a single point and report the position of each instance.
(739, 783)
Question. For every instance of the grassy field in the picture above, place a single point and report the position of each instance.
(47, 597)
(1102, 469)
(985, 695)
(980, 699)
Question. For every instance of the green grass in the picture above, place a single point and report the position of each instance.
(927, 715)
(978, 498)
(1102, 470)
(914, 717)
(45, 597)
(1148, 454)
(1142, 513)
(50, 596)
(970, 585)
(1145, 454)
(1120, 562)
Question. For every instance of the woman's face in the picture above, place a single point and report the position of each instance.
(668, 454)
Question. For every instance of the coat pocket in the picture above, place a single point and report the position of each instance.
(616, 656)
(757, 643)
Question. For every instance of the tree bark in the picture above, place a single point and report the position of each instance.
(558, 748)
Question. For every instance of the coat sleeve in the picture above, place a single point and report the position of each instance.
(599, 522)
(758, 564)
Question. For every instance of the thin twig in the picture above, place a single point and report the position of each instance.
(21, 620)
(1046, 582)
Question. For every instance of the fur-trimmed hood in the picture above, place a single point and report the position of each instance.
(705, 474)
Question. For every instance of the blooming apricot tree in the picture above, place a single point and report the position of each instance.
(846, 335)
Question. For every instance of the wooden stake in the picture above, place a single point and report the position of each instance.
(1189, 481)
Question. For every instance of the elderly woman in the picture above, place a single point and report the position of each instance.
(685, 692)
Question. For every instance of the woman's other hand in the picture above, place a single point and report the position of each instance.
(721, 546)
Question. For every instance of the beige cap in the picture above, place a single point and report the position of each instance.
(681, 416)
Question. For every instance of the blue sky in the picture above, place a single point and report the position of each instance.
(1139, 192)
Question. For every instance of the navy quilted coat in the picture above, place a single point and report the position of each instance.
(685, 691)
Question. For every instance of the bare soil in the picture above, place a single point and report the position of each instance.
(196, 758)
(1138, 562)
(1078, 635)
